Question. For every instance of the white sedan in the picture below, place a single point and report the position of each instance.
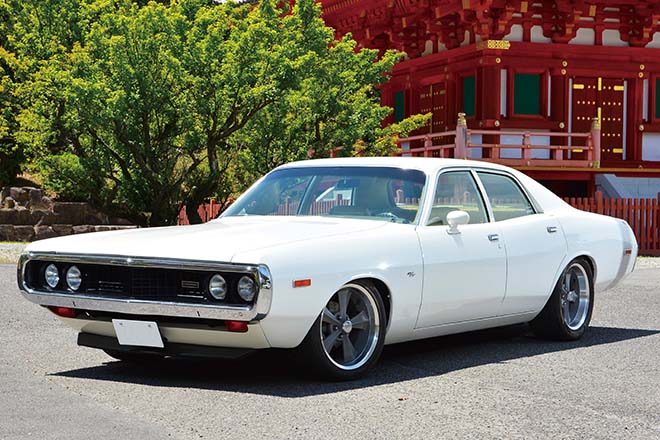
(335, 258)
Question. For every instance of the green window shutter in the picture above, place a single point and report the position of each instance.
(527, 94)
(399, 106)
(468, 95)
(657, 98)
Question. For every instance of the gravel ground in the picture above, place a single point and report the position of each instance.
(501, 383)
(9, 252)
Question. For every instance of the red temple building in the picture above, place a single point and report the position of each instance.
(536, 81)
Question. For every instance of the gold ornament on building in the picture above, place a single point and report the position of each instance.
(595, 123)
(641, 127)
(642, 67)
(563, 71)
(461, 120)
(562, 125)
(564, 63)
(497, 123)
(498, 60)
(494, 44)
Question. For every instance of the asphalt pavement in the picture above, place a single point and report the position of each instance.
(501, 383)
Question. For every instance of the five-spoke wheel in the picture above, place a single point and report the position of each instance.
(568, 311)
(347, 338)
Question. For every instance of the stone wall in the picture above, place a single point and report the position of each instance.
(27, 214)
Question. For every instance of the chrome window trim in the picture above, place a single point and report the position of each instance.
(256, 311)
(532, 202)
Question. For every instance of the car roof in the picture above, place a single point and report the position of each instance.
(426, 164)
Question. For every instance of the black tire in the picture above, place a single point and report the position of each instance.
(312, 351)
(550, 323)
(134, 357)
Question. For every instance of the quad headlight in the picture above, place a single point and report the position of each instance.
(52, 276)
(218, 287)
(247, 288)
(73, 278)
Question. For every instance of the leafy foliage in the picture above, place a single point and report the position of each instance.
(142, 107)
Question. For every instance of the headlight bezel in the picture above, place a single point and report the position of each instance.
(220, 280)
(67, 276)
(249, 289)
(52, 272)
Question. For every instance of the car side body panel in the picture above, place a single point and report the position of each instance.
(390, 254)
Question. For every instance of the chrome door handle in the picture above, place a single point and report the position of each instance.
(551, 229)
(493, 237)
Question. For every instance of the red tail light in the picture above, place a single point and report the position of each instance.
(237, 326)
(64, 312)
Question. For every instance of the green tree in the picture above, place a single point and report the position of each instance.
(140, 108)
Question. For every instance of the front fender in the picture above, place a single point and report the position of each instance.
(389, 254)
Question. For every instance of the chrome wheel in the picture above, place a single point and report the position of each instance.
(350, 327)
(575, 296)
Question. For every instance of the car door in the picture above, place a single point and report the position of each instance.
(464, 272)
(534, 242)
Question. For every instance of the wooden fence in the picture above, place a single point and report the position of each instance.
(206, 211)
(643, 216)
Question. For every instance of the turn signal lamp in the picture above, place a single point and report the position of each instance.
(64, 312)
(237, 326)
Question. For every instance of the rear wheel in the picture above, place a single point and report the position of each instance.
(347, 338)
(567, 313)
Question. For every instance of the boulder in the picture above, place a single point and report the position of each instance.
(7, 233)
(63, 229)
(8, 203)
(24, 233)
(42, 232)
(82, 229)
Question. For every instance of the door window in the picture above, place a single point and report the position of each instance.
(506, 198)
(457, 190)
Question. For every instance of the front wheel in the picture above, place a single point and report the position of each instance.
(567, 313)
(347, 338)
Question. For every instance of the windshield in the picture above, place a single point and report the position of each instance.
(376, 193)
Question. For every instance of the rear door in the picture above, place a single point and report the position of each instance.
(534, 242)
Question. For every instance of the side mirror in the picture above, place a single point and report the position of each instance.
(456, 218)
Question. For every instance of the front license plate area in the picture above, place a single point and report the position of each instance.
(137, 333)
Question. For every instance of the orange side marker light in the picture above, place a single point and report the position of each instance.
(302, 283)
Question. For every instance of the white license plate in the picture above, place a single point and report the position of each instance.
(139, 333)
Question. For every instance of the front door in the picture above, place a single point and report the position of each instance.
(602, 97)
(464, 273)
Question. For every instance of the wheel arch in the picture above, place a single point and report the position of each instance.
(383, 290)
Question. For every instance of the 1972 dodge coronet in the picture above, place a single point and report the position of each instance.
(335, 258)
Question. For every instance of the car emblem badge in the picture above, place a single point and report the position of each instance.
(190, 284)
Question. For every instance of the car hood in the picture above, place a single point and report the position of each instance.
(219, 240)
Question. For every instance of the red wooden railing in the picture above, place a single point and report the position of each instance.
(643, 216)
(206, 211)
(575, 150)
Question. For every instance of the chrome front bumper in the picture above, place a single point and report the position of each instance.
(141, 307)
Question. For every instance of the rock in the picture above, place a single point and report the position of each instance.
(119, 221)
(38, 201)
(24, 233)
(7, 233)
(36, 217)
(8, 216)
(70, 213)
(8, 203)
(63, 229)
(21, 195)
(42, 232)
(82, 229)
